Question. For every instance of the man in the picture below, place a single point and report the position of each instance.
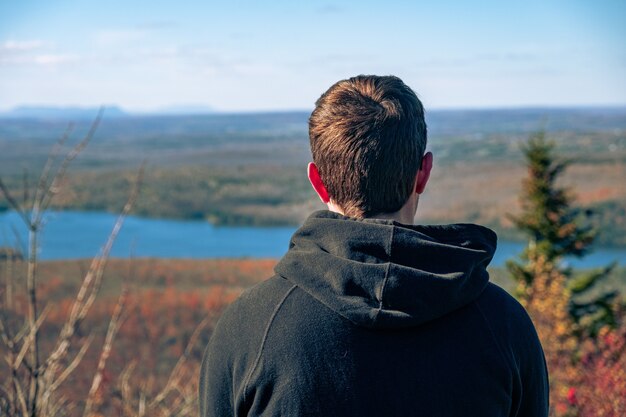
(368, 314)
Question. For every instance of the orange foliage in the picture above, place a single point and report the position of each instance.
(587, 376)
(546, 302)
(168, 300)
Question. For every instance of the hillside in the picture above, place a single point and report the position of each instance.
(250, 168)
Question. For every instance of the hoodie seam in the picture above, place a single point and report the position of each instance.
(493, 336)
(386, 278)
(257, 360)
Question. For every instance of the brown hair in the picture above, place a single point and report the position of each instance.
(368, 136)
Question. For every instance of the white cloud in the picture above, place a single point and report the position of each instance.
(38, 53)
(53, 59)
(21, 46)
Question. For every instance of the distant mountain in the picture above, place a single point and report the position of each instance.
(183, 110)
(81, 113)
(50, 112)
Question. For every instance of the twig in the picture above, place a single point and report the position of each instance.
(52, 156)
(125, 390)
(174, 375)
(19, 392)
(30, 340)
(25, 187)
(13, 203)
(97, 268)
(114, 326)
(70, 368)
(141, 411)
(18, 240)
(5, 332)
(22, 333)
(60, 173)
(89, 287)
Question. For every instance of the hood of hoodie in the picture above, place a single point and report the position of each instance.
(384, 274)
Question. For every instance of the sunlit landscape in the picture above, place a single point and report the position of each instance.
(126, 229)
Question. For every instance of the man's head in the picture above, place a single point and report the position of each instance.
(368, 138)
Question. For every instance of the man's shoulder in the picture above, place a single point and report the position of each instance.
(498, 306)
(258, 302)
(510, 324)
(502, 311)
(241, 328)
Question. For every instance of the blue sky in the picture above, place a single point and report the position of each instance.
(279, 55)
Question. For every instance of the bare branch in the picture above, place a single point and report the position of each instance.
(70, 368)
(91, 284)
(21, 333)
(5, 332)
(176, 372)
(142, 405)
(114, 326)
(42, 186)
(13, 203)
(18, 240)
(125, 389)
(60, 174)
(28, 341)
(30, 378)
(187, 408)
(25, 188)
(60, 403)
(19, 392)
(96, 270)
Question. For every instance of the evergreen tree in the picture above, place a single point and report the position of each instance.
(556, 229)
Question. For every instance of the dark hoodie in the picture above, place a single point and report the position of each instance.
(371, 317)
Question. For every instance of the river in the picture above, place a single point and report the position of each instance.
(75, 235)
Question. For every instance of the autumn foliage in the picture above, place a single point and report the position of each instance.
(582, 328)
(169, 313)
(603, 381)
(587, 374)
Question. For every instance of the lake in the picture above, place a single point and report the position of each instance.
(74, 235)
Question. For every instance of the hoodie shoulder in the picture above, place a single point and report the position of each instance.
(235, 345)
(507, 319)
(243, 323)
(514, 333)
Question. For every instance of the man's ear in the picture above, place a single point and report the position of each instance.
(316, 182)
(424, 173)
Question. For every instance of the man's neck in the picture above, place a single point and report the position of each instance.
(405, 215)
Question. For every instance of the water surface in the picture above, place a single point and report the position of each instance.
(75, 234)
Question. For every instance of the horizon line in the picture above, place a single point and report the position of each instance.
(171, 111)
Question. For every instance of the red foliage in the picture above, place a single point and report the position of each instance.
(602, 389)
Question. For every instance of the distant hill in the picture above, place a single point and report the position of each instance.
(460, 123)
(244, 169)
(61, 113)
(477, 123)
(88, 113)
(182, 110)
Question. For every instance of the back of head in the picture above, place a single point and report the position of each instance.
(368, 136)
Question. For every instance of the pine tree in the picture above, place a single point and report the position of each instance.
(556, 230)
